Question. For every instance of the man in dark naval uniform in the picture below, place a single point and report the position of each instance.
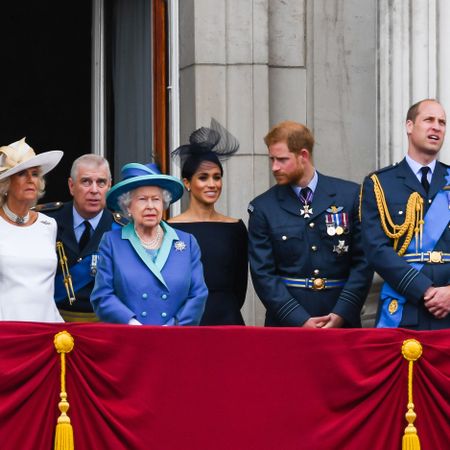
(81, 224)
(306, 256)
(405, 225)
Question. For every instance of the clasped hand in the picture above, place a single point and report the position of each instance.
(331, 320)
(437, 301)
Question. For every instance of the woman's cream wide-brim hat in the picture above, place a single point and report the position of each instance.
(19, 156)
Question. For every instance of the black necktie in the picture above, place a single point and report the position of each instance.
(306, 195)
(424, 180)
(86, 236)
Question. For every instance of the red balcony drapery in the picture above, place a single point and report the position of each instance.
(222, 388)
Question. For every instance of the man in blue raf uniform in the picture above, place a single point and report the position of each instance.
(305, 251)
(405, 226)
(81, 224)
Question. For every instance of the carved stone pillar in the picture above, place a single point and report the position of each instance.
(414, 63)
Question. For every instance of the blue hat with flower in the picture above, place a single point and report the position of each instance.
(135, 175)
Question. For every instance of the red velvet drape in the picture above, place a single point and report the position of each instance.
(222, 388)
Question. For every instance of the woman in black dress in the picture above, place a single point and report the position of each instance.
(222, 239)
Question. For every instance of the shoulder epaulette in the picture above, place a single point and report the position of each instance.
(51, 206)
(120, 218)
(383, 169)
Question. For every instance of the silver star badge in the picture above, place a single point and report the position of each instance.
(340, 248)
(306, 211)
(179, 246)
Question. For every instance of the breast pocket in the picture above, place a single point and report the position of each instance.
(288, 245)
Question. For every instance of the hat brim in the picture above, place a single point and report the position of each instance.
(46, 161)
(168, 182)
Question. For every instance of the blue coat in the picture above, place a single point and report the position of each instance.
(398, 183)
(128, 284)
(282, 243)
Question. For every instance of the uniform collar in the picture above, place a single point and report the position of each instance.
(78, 220)
(416, 166)
(312, 184)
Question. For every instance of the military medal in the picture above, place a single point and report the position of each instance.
(331, 229)
(345, 222)
(306, 211)
(340, 248)
(339, 220)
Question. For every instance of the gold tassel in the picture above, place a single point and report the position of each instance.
(64, 432)
(411, 351)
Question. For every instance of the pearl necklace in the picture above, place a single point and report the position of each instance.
(20, 220)
(152, 244)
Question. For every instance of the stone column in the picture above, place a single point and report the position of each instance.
(224, 74)
(253, 63)
(414, 63)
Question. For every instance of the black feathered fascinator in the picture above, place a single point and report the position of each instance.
(214, 144)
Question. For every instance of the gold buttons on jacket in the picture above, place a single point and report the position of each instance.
(311, 225)
(314, 248)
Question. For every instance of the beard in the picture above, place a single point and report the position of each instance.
(284, 178)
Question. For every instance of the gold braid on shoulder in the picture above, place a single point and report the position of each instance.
(413, 224)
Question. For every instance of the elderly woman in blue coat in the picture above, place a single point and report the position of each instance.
(147, 272)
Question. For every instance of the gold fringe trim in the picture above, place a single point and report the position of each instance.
(411, 351)
(64, 343)
(413, 224)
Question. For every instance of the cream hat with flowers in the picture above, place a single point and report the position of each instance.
(19, 156)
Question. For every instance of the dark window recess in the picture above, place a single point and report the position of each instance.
(45, 81)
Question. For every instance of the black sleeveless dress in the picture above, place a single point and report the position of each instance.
(225, 265)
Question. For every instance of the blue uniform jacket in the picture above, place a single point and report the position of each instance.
(66, 234)
(284, 244)
(128, 284)
(398, 183)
